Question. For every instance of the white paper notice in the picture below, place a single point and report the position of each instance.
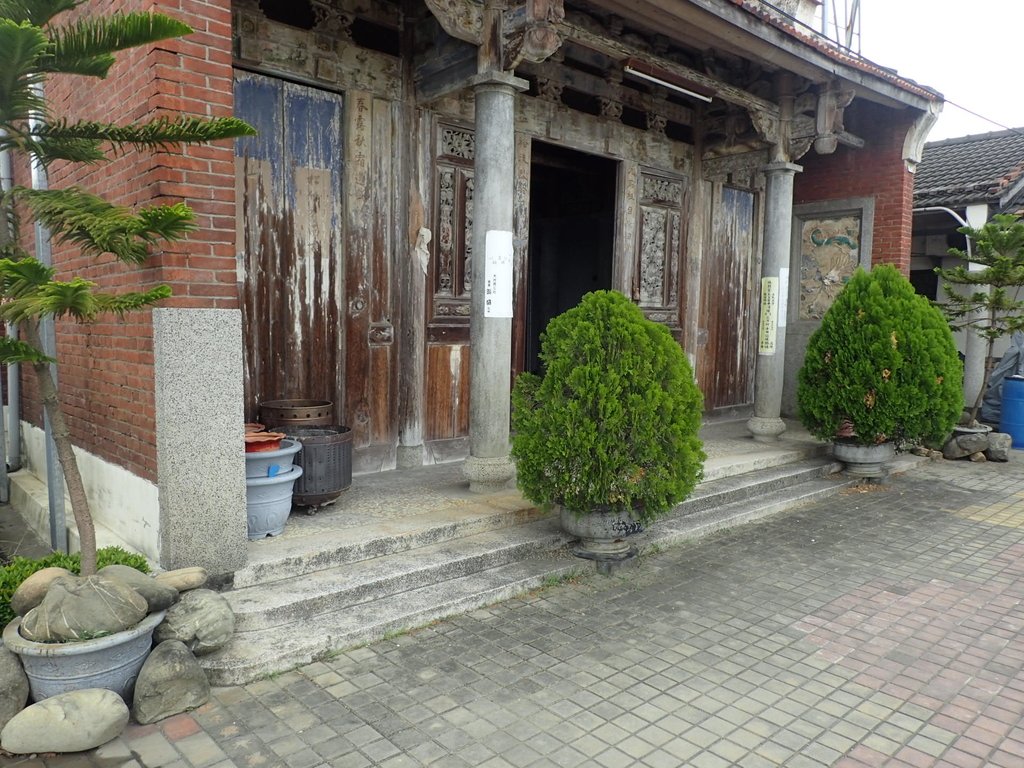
(783, 295)
(769, 316)
(498, 274)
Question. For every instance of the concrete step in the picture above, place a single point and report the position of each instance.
(431, 568)
(304, 555)
(275, 603)
(251, 655)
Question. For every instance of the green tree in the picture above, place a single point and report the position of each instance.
(987, 301)
(35, 43)
(613, 423)
(881, 367)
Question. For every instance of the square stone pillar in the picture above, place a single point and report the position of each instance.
(200, 438)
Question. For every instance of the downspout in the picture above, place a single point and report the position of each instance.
(48, 334)
(13, 369)
(6, 233)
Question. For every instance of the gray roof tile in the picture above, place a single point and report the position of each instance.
(971, 169)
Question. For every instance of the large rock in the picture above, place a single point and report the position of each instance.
(32, 590)
(13, 686)
(171, 682)
(964, 444)
(69, 722)
(83, 608)
(158, 596)
(202, 620)
(183, 579)
(999, 445)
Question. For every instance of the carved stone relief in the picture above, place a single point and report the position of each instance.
(457, 143)
(446, 230)
(660, 243)
(652, 256)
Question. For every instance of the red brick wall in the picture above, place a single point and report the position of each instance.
(106, 368)
(877, 170)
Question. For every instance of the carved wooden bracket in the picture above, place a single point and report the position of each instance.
(529, 30)
(832, 100)
(462, 19)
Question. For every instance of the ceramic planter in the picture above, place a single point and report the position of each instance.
(602, 533)
(863, 460)
(268, 502)
(111, 662)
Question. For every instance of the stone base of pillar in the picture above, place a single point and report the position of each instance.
(487, 475)
(766, 429)
(409, 456)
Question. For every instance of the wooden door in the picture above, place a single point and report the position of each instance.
(289, 179)
(725, 369)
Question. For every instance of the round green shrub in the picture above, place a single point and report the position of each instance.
(20, 568)
(884, 363)
(613, 422)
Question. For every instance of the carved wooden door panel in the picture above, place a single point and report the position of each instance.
(725, 367)
(661, 248)
(289, 181)
(448, 284)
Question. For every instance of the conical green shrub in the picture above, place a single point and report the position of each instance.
(613, 423)
(883, 362)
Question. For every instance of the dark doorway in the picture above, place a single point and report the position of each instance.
(572, 225)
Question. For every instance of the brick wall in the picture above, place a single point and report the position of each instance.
(106, 371)
(877, 170)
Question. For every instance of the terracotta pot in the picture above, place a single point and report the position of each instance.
(263, 441)
(252, 426)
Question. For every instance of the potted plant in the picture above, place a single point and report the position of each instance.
(36, 41)
(881, 371)
(609, 432)
(987, 301)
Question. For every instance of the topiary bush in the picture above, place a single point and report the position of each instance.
(20, 568)
(882, 367)
(613, 423)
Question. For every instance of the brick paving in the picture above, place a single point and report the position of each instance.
(879, 628)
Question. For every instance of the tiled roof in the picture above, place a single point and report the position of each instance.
(771, 15)
(971, 169)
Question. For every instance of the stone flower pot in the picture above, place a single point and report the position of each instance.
(602, 533)
(112, 661)
(863, 460)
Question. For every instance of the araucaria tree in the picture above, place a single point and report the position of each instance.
(35, 43)
(987, 301)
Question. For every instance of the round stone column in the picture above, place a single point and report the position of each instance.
(766, 424)
(489, 466)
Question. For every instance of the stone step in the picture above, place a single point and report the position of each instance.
(432, 571)
(280, 602)
(251, 655)
(304, 555)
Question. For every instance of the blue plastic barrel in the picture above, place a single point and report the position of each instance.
(1011, 421)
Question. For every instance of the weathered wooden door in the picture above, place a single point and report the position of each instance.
(289, 188)
(725, 369)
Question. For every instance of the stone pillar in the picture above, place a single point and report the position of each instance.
(489, 466)
(975, 347)
(766, 424)
(197, 354)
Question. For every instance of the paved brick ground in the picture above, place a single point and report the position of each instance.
(882, 627)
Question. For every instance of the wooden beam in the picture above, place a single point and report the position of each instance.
(620, 51)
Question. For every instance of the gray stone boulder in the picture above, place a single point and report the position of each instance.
(183, 579)
(999, 446)
(13, 686)
(202, 620)
(964, 444)
(32, 590)
(69, 722)
(171, 682)
(83, 608)
(158, 596)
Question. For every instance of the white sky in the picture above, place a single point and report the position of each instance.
(971, 52)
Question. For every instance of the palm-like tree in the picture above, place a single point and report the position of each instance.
(33, 45)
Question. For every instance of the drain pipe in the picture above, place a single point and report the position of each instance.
(6, 234)
(13, 369)
(48, 333)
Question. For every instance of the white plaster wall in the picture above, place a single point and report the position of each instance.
(124, 507)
